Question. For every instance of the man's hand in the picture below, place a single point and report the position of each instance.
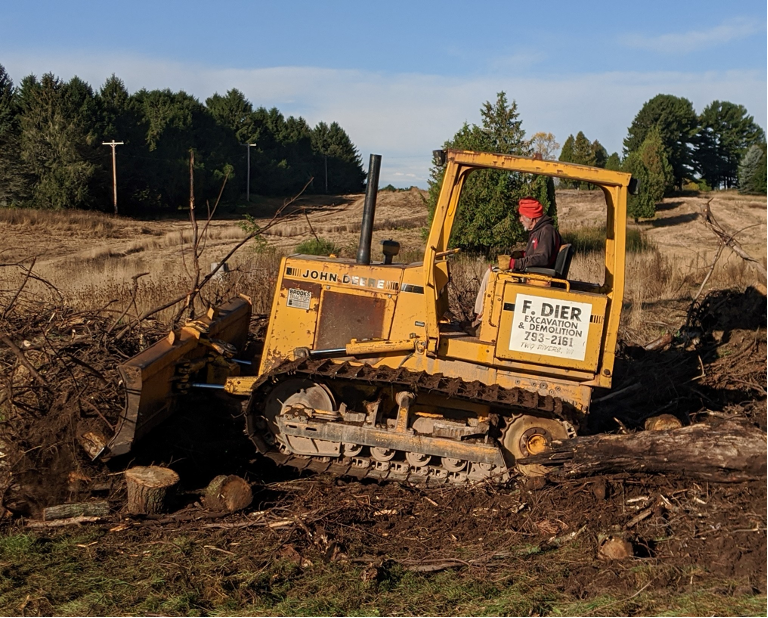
(517, 254)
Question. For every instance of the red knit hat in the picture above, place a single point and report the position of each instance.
(531, 208)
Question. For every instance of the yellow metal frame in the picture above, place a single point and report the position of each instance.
(615, 186)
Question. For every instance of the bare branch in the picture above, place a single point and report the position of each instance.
(23, 360)
(728, 239)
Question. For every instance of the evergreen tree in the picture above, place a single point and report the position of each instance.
(580, 150)
(14, 181)
(727, 131)
(760, 182)
(613, 162)
(599, 154)
(57, 144)
(583, 154)
(566, 154)
(487, 218)
(677, 124)
(649, 165)
(752, 171)
(234, 112)
(341, 168)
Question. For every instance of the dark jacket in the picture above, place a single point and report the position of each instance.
(544, 242)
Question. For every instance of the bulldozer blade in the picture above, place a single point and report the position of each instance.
(149, 376)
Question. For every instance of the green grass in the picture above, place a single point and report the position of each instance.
(175, 574)
(589, 239)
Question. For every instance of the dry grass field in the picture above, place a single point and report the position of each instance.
(90, 258)
(311, 545)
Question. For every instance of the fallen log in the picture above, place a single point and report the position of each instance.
(69, 521)
(727, 452)
(75, 509)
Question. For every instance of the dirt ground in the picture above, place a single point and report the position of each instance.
(312, 544)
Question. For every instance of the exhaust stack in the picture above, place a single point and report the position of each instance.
(369, 210)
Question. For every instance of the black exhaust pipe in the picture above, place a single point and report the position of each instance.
(369, 210)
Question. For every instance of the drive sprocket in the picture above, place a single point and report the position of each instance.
(526, 435)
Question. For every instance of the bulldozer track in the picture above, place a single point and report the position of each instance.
(360, 467)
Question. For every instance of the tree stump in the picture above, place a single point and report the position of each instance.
(149, 488)
(228, 493)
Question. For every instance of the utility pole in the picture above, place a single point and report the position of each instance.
(248, 173)
(113, 143)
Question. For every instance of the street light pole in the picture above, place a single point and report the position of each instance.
(113, 143)
(248, 173)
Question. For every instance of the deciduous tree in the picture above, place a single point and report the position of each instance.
(544, 144)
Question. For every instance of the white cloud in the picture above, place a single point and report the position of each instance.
(694, 40)
(405, 116)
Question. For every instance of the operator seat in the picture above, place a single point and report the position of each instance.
(562, 264)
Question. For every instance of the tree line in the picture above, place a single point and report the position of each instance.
(52, 153)
(668, 147)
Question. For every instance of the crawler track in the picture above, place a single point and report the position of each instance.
(511, 402)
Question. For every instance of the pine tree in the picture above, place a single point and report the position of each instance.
(677, 124)
(752, 171)
(340, 166)
(234, 112)
(727, 131)
(57, 145)
(649, 165)
(599, 154)
(613, 162)
(759, 179)
(566, 154)
(487, 219)
(15, 183)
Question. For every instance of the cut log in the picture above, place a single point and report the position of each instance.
(149, 489)
(76, 509)
(728, 452)
(228, 493)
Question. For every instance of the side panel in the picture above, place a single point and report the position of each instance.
(551, 326)
(323, 303)
(350, 315)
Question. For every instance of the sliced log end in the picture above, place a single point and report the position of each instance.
(228, 493)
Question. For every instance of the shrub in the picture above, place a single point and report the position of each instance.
(318, 246)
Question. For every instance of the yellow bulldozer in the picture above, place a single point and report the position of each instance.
(363, 375)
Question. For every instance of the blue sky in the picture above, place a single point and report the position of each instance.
(402, 77)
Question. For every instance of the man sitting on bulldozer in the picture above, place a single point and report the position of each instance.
(544, 243)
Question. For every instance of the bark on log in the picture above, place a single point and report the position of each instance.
(228, 493)
(149, 488)
(76, 509)
(728, 452)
